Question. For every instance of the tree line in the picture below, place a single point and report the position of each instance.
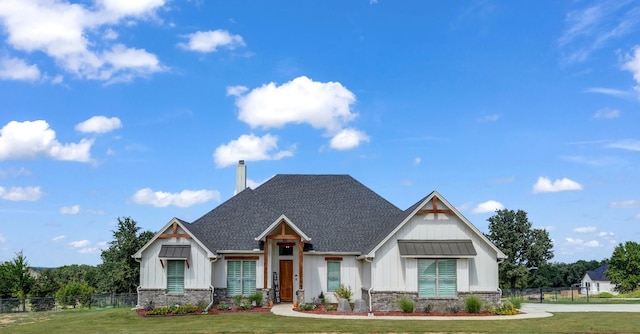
(528, 250)
(73, 284)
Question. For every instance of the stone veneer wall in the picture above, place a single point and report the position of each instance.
(160, 297)
(390, 300)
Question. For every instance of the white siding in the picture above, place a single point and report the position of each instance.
(315, 276)
(400, 274)
(154, 276)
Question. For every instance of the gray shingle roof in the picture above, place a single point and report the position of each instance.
(337, 212)
(599, 274)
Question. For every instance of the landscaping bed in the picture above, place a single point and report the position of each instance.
(322, 309)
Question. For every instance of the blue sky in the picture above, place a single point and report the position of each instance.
(114, 108)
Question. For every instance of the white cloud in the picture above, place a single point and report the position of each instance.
(30, 140)
(591, 28)
(323, 105)
(183, 199)
(607, 113)
(89, 250)
(626, 144)
(236, 90)
(2, 239)
(58, 238)
(610, 91)
(99, 124)
(348, 139)
(210, 41)
(17, 194)
(70, 210)
(637, 216)
(70, 33)
(18, 69)
(417, 161)
(79, 243)
(102, 244)
(579, 243)
(584, 229)
(488, 206)
(14, 172)
(249, 148)
(606, 235)
(632, 203)
(632, 65)
(544, 185)
(489, 118)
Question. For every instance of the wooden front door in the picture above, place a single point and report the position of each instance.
(286, 282)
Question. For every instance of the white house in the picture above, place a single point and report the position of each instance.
(596, 281)
(296, 236)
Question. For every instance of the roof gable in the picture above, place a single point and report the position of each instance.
(421, 207)
(174, 226)
(599, 274)
(284, 221)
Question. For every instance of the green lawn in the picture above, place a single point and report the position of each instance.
(127, 321)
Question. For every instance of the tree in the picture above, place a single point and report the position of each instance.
(119, 272)
(624, 266)
(22, 277)
(527, 249)
(43, 291)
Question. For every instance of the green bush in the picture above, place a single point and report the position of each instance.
(604, 295)
(223, 307)
(453, 309)
(407, 305)
(306, 307)
(473, 304)
(516, 302)
(505, 309)
(344, 292)
(428, 308)
(163, 310)
(257, 298)
(237, 300)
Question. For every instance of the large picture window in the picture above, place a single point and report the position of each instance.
(175, 276)
(241, 277)
(333, 275)
(436, 278)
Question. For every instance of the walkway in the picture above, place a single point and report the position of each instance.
(287, 311)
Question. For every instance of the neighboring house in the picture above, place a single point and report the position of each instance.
(596, 281)
(297, 236)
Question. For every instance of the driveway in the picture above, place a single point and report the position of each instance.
(595, 307)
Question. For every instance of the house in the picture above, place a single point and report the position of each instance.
(296, 236)
(596, 281)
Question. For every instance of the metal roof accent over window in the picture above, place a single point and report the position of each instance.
(436, 248)
(175, 251)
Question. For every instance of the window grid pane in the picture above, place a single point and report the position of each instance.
(333, 275)
(437, 278)
(175, 276)
(241, 277)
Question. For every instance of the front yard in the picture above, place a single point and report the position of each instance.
(127, 321)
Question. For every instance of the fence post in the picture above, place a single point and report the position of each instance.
(541, 295)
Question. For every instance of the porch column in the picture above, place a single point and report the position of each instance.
(266, 263)
(300, 266)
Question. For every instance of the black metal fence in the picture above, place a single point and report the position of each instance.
(561, 294)
(39, 304)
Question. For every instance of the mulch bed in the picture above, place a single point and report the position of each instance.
(321, 309)
(143, 313)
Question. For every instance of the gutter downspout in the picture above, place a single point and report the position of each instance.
(206, 310)
(138, 288)
(368, 259)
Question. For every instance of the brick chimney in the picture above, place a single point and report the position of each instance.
(241, 176)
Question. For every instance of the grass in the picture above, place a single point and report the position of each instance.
(127, 321)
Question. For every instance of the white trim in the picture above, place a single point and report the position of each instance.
(500, 254)
(275, 224)
(138, 254)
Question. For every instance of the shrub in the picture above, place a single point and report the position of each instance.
(223, 307)
(257, 298)
(202, 305)
(173, 307)
(428, 308)
(149, 306)
(453, 309)
(321, 297)
(516, 302)
(329, 307)
(237, 300)
(505, 309)
(185, 309)
(604, 295)
(473, 304)
(344, 292)
(159, 311)
(306, 307)
(407, 305)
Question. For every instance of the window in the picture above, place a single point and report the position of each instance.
(241, 277)
(333, 275)
(436, 278)
(175, 276)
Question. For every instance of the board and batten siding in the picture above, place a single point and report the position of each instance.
(219, 278)
(315, 276)
(479, 273)
(154, 276)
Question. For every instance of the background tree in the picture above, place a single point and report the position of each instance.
(44, 289)
(119, 272)
(624, 267)
(527, 248)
